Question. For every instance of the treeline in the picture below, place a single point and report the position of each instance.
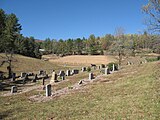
(108, 44)
(12, 41)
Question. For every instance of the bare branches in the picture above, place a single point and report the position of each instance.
(153, 10)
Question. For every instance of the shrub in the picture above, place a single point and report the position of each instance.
(88, 69)
(153, 59)
(110, 66)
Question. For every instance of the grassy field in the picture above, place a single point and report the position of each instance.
(131, 93)
(84, 59)
(27, 64)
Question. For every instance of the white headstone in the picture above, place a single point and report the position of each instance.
(113, 68)
(68, 73)
(106, 71)
(54, 77)
(13, 89)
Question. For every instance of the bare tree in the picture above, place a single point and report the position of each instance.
(119, 44)
(153, 10)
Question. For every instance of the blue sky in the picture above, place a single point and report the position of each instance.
(63, 19)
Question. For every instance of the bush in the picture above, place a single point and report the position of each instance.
(110, 66)
(152, 59)
(88, 69)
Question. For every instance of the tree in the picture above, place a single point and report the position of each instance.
(119, 43)
(2, 27)
(106, 41)
(92, 44)
(153, 10)
(9, 34)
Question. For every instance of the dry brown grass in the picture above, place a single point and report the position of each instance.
(84, 59)
(27, 64)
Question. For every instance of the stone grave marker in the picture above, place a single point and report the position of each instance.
(80, 82)
(63, 77)
(13, 89)
(61, 73)
(40, 72)
(84, 69)
(75, 71)
(113, 68)
(99, 67)
(106, 71)
(54, 77)
(91, 76)
(35, 78)
(23, 74)
(43, 81)
(13, 77)
(68, 73)
(102, 66)
(30, 74)
(48, 90)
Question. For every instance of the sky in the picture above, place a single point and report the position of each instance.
(64, 19)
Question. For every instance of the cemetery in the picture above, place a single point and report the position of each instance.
(79, 60)
(60, 82)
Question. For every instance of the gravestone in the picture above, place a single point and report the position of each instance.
(113, 68)
(40, 72)
(91, 76)
(48, 90)
(102, 66)
(94, 66)
(129, 63)
(99, 67)
(80, 82)
(13, 89)
(75, 71)
(46, 76)
(61, 73)
(63, 77)
(43, 81)
(68, 73)
(30, 74)
(54, 77)
(35, 78)
(106, 71)
(13, 77)
(26, 77)
(23, 74)
(83, 69)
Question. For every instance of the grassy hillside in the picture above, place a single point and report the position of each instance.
(27, 64)
(132, 93)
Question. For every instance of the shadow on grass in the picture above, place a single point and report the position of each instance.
(6, 114)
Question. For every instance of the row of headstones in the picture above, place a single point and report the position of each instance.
(25, 76)
(62, 74)
(48, 87)
(14, 88)
(54, 77)
(131, 63)
(91, 77)
(49, 90)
